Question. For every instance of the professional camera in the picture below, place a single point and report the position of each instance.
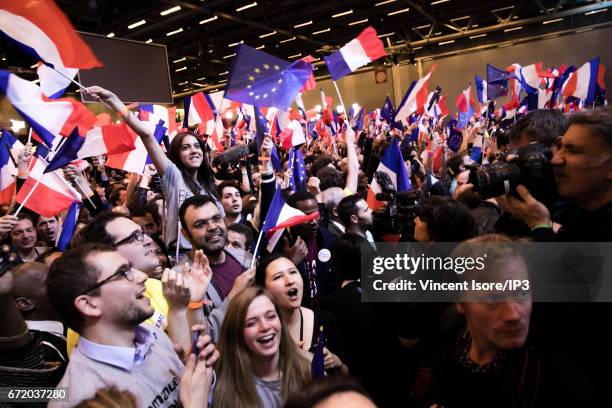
(530, 166)
(398, 215)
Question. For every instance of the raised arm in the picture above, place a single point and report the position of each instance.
(145, 131)
(352, 162)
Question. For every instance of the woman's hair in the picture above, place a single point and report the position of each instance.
(235, 378)
(322, 388)
(260, 272)
(110, 397)
(447, 220)
(204, 175)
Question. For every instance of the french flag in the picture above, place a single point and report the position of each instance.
(52, 195)
(393, 165)
(415, 98)
(481, 89)
(7, 168)
(582, 83)
(53, 84)
(107, 140)
(367, 47)
(135, 160)
(48, 118)
(292, 135)
(68, 226)
(199, 110)
(154, 113)
(465, 105)
(476, 152)
(280, 216)
(310, 84)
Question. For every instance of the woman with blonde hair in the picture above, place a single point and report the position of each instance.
(260, 365)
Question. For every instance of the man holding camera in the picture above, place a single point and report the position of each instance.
(583, 172)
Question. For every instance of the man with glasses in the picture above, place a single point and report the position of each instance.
(102, 297)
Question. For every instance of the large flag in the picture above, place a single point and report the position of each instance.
(199, 110)
(154, 113)
(367, 47)
(298, 170)
(415, 98)
(393, 165)
(280, 216)
(582, 83)
(52, 195)
(135, 160)
(359, 120)
(497, 82)
(40, 28)
(107, 140)
(7, 167)
(465, 106)
(69, 226)
(258, 78)
(52, 83)
(481, 89)
(48, 118)
(292, 135)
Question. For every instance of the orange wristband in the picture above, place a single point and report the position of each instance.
(263, 158)
(124, 112)
(195, 305)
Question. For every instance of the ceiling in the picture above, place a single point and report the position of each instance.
(208, 31)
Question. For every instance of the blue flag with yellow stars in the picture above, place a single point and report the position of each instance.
(258, 78)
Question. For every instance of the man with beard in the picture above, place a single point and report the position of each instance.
(356, 217)
(46, 228)
(101, 296)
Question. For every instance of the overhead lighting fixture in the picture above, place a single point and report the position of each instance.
(321, 31)
(446, 42)
(588, 13)
(248, 6)
(180, 30)
(229, 56)
(552, 21)
(477, 36)
(183, 83)
(365, 20)
(149, 41)
(399, 11)
(386, 35)
(224, 73)
(287, 40)
(179, 60)
(110, 35)
(433, 3)
(507, 30)
(198, 84)
(344, 13)
(459, 18)
(223, 81)
(267, 35)
(438, 33)
(170, 10)
(503, 9)
(423, 26)
(236, 43)
(201, 79)
(208, 20)
(303, 24)
(213, 90)
(416, 48)
(382, 3)
(180, 69)
(261, 47)
(137, 24)
(295, 56)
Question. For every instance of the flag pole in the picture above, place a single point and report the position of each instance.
(77, 83)
(257, 246)
(29, 135)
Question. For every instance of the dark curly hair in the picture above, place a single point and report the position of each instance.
(447, 220)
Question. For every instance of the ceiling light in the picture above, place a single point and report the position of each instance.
(365, 20)
(423, 26)
(137, 24)
(384, 2)
(287, 40)
(224, 73)
(386, 35)
(446, 42)
(198, 84)
(303, 24)
(433, 3)
(236, 43)
(438, 33)
(180, 30)
(416, 48)
(588, 13)
(295, 56)
(149, 41)
(110, 35)
(180, 69)
(261, 47)
(459, 18)
(201, 79)
(248, 6)
(552, 21)
(477, 36)
(344, 13)
(179, 60)
(513, 29)
(208, 20)
(321, 31)
(398, 11)
(502, 9)
(183, 83)
(267, 35)
(170, 10)
(229, 56)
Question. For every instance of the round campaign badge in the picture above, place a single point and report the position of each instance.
(324, 255)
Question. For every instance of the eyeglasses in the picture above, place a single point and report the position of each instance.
(127, 273)
(137, 235)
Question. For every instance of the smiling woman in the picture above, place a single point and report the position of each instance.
(255, 349)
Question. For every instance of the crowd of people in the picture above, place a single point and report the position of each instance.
(169, 294)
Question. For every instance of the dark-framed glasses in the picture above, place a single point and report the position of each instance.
(137, 235)
(127, 273)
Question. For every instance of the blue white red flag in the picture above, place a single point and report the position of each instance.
(367, 47)
(393, 165)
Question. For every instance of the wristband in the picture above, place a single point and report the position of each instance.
(124, 112)
(195, 305)
(548, 226)
(263, 158)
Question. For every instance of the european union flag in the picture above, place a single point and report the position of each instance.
(261, 127)
(497, 82)
(258, 78)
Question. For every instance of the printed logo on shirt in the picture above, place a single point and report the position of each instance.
(169, 391)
